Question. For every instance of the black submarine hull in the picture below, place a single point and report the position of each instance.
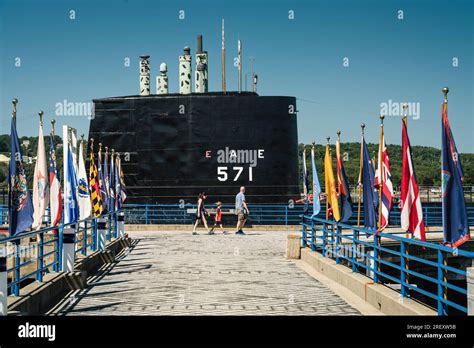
(175, 146)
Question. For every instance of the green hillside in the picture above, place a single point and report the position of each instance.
(426, 161)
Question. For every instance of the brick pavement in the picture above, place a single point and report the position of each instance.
(175, 273)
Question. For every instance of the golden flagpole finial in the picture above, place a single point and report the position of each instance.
(362, 126)
(381, 118)
(53, 121)
(106, 149)
(14, 102)
(339, 134)
(445, 92)
(41, 117)
(405, 108)
(92, 144)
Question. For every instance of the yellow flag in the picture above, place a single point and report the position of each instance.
(330, 184)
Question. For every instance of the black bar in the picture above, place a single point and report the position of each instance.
(381, 331)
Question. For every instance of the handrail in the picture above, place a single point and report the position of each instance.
(272, 213)
(391, 261)
(50, 260)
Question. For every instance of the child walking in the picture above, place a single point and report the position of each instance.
(218, 219)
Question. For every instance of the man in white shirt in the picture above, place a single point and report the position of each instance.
(241, 210)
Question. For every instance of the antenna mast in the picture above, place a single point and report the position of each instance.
(223, 59)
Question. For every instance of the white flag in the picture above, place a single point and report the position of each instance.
(83, 193)
(40, 183)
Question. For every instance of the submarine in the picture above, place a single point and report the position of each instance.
(176, 145)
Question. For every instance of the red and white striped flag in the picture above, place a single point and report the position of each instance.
(410, 201)
(384, 176)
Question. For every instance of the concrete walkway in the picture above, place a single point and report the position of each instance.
(175, 273)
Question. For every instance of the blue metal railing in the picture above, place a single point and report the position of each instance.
(42, 251)
(278, 214)
(425, 278)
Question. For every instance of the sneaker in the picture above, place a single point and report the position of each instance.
(240, 233)
(210, 232)
(195, 233)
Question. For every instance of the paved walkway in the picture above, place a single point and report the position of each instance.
(175, 273)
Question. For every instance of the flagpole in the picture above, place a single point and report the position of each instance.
(112, 177)
(362, 126)
(55, 231)
(380, 169)
(14, 102)
(445, 91)
(327, 194)
(338, 145)
(380, 192)
(107, 188)
(407, 247)
(40, 114)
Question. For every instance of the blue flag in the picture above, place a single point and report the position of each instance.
(305, 183)
(118, 187)
(71, 206)
(455, 223)
(19, 198)
(111, 183)
(370, 193)
(316, 186)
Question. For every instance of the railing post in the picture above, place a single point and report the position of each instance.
(39, 270)
(470, 289)
(69, 247)
(84, 239)
(94, 235)
(303, 233)
(59, 250)
(313, 240)
(403, 264)
(16, 269)
(441, 289)
(3, 280)
(146, 214)
(120, 224)
(354, 250)
(108, 221)
(101, 233)
(286, 215)
(338, 231)
(325, 235)
(375, 263)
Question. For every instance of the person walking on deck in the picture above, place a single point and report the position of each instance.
(241, 210)
(201, 213)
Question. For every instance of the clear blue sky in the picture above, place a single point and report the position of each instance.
(402, 60)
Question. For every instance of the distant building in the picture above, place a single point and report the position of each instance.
(26, 143)
(4, 159)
